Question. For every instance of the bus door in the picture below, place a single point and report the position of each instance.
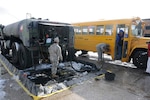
(124, 52)
(126, 44)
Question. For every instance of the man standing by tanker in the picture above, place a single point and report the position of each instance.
(55, 56)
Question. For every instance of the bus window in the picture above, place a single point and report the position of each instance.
(77, 30)
(126, 32)
(100, 30)
(84, 30)
(109, 30)
(137, 28)
(147, 27)
(91, 29)
(124, 28)
(126, 41)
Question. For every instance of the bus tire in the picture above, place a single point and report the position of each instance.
(140, 59)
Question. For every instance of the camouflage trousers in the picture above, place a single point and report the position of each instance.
(54, 67)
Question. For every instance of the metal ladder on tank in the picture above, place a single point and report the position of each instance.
(35, 55)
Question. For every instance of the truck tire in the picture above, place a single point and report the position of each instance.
(140, 59)
(23, 57)
(14, 53)
(3, 50)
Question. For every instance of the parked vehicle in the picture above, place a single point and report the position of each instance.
(89, 34)
(29, 40)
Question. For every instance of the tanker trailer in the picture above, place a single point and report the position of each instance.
(27, 41)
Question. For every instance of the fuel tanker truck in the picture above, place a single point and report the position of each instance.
(26, 42)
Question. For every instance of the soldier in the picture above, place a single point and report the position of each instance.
(55, 56)
(101, 48)
(119, 41)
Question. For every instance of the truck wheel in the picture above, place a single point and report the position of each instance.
(14, 53)
(140, 59)
(23, 54)
(3, 50)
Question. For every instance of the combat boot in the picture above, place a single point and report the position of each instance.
(54, 76)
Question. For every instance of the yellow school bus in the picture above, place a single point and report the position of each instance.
(89, 34)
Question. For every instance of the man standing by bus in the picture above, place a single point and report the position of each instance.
(55, 56)
(119, 41)
(101, 48)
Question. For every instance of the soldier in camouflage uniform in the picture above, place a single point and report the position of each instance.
(55, 56)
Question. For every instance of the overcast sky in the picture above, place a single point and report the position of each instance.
(72, 10)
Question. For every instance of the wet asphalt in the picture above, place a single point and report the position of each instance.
(130, 83)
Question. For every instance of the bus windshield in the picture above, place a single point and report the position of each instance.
(136, 28)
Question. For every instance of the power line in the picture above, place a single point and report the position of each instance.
(12, 16)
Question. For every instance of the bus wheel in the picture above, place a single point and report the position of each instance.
(140, 59)
(14, 53)
(23, 62)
